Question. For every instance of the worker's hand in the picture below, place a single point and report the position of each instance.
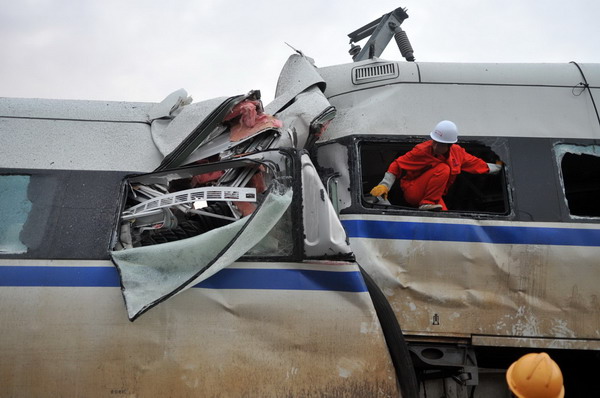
(380, 190)
(494, 168)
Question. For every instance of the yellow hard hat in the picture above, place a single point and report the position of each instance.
(535, 376)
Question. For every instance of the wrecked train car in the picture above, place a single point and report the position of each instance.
(512, 267)
(211, 224)
(514, 262)
(243, 239)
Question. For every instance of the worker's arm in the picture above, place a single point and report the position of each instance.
(473, 164)
(415, 159)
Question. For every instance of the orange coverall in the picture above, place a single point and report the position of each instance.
(428, 176)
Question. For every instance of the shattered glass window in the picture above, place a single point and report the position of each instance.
(14, 208)
(580, 168)
(278, 242)
(175, 205)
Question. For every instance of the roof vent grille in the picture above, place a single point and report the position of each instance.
(372, 73)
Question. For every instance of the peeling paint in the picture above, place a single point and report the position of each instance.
(454, 316)
(500, 325)
(525, 325)
(560, 329)
(291, 373)
(347, 366)
(345, 373)
(365, 327)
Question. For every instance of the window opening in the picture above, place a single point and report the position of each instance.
(179, 204)
(580, 167)
(473, 193)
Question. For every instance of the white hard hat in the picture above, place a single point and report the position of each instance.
(445, 132)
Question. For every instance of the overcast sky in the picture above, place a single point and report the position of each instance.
(142, 50)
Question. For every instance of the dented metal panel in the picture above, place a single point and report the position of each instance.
(484, 100)
(524, 111)
(297, 75)
(213, 341)
(452, 277)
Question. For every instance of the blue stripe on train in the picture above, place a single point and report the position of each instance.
(228, 278)
(471, 233)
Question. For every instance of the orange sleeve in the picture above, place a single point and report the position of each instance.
(472, 164)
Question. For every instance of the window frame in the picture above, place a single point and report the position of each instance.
(577, 147)
(357, 178)
(53, 229)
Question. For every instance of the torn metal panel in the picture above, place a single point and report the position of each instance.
(305, 119)
(216, 130)
(332, 160)
(237, 125)
(187, 125)
(297, 75)
(162, 238)
(170, 106)
(300, 103)
(323, 232)
(228, 128)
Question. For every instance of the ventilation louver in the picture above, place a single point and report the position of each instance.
(372, 73)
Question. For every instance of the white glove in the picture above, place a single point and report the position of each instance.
(388, 180)
(494, 168)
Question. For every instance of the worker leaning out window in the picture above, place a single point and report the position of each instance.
(430, 168)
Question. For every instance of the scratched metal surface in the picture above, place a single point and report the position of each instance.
(540, 295)
(77, 341)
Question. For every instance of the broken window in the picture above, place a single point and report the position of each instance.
(179, 227)
(179, 204)
(580, 168)
(14, 207)
(477, 193)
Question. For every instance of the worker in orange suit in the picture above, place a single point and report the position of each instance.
(430, 168)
